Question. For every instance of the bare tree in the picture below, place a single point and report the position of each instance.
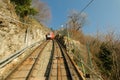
(44, 14)
(77, 20)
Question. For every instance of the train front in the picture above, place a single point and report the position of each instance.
(50, 36)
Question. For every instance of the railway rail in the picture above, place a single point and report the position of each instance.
(24, 70)
(62, 67)
(59, 65)
(7, 60)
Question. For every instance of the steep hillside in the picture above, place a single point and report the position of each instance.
(14, 34)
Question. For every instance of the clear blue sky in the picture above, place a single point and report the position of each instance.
(103, 15)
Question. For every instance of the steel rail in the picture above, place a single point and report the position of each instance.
(59, 70)
(69, 62)
(68, 66)
(56, 70)
(72, 72)
(36, 60)
(29, 72)
(16, 54)
(84, 65)
(51, 63)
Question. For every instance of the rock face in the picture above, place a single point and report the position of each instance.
(14, 34)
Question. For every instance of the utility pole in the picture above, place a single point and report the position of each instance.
(67, 38)
(27, 36)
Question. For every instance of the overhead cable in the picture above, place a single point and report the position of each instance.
(86, 6)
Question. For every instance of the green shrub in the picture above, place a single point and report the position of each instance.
(23, 8)
(105, 56)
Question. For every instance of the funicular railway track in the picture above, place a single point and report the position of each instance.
(58, 67)
(24, 70)
(62, 67)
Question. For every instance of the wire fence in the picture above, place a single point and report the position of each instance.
(87, 67)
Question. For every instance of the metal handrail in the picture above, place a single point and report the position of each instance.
(16, 54)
